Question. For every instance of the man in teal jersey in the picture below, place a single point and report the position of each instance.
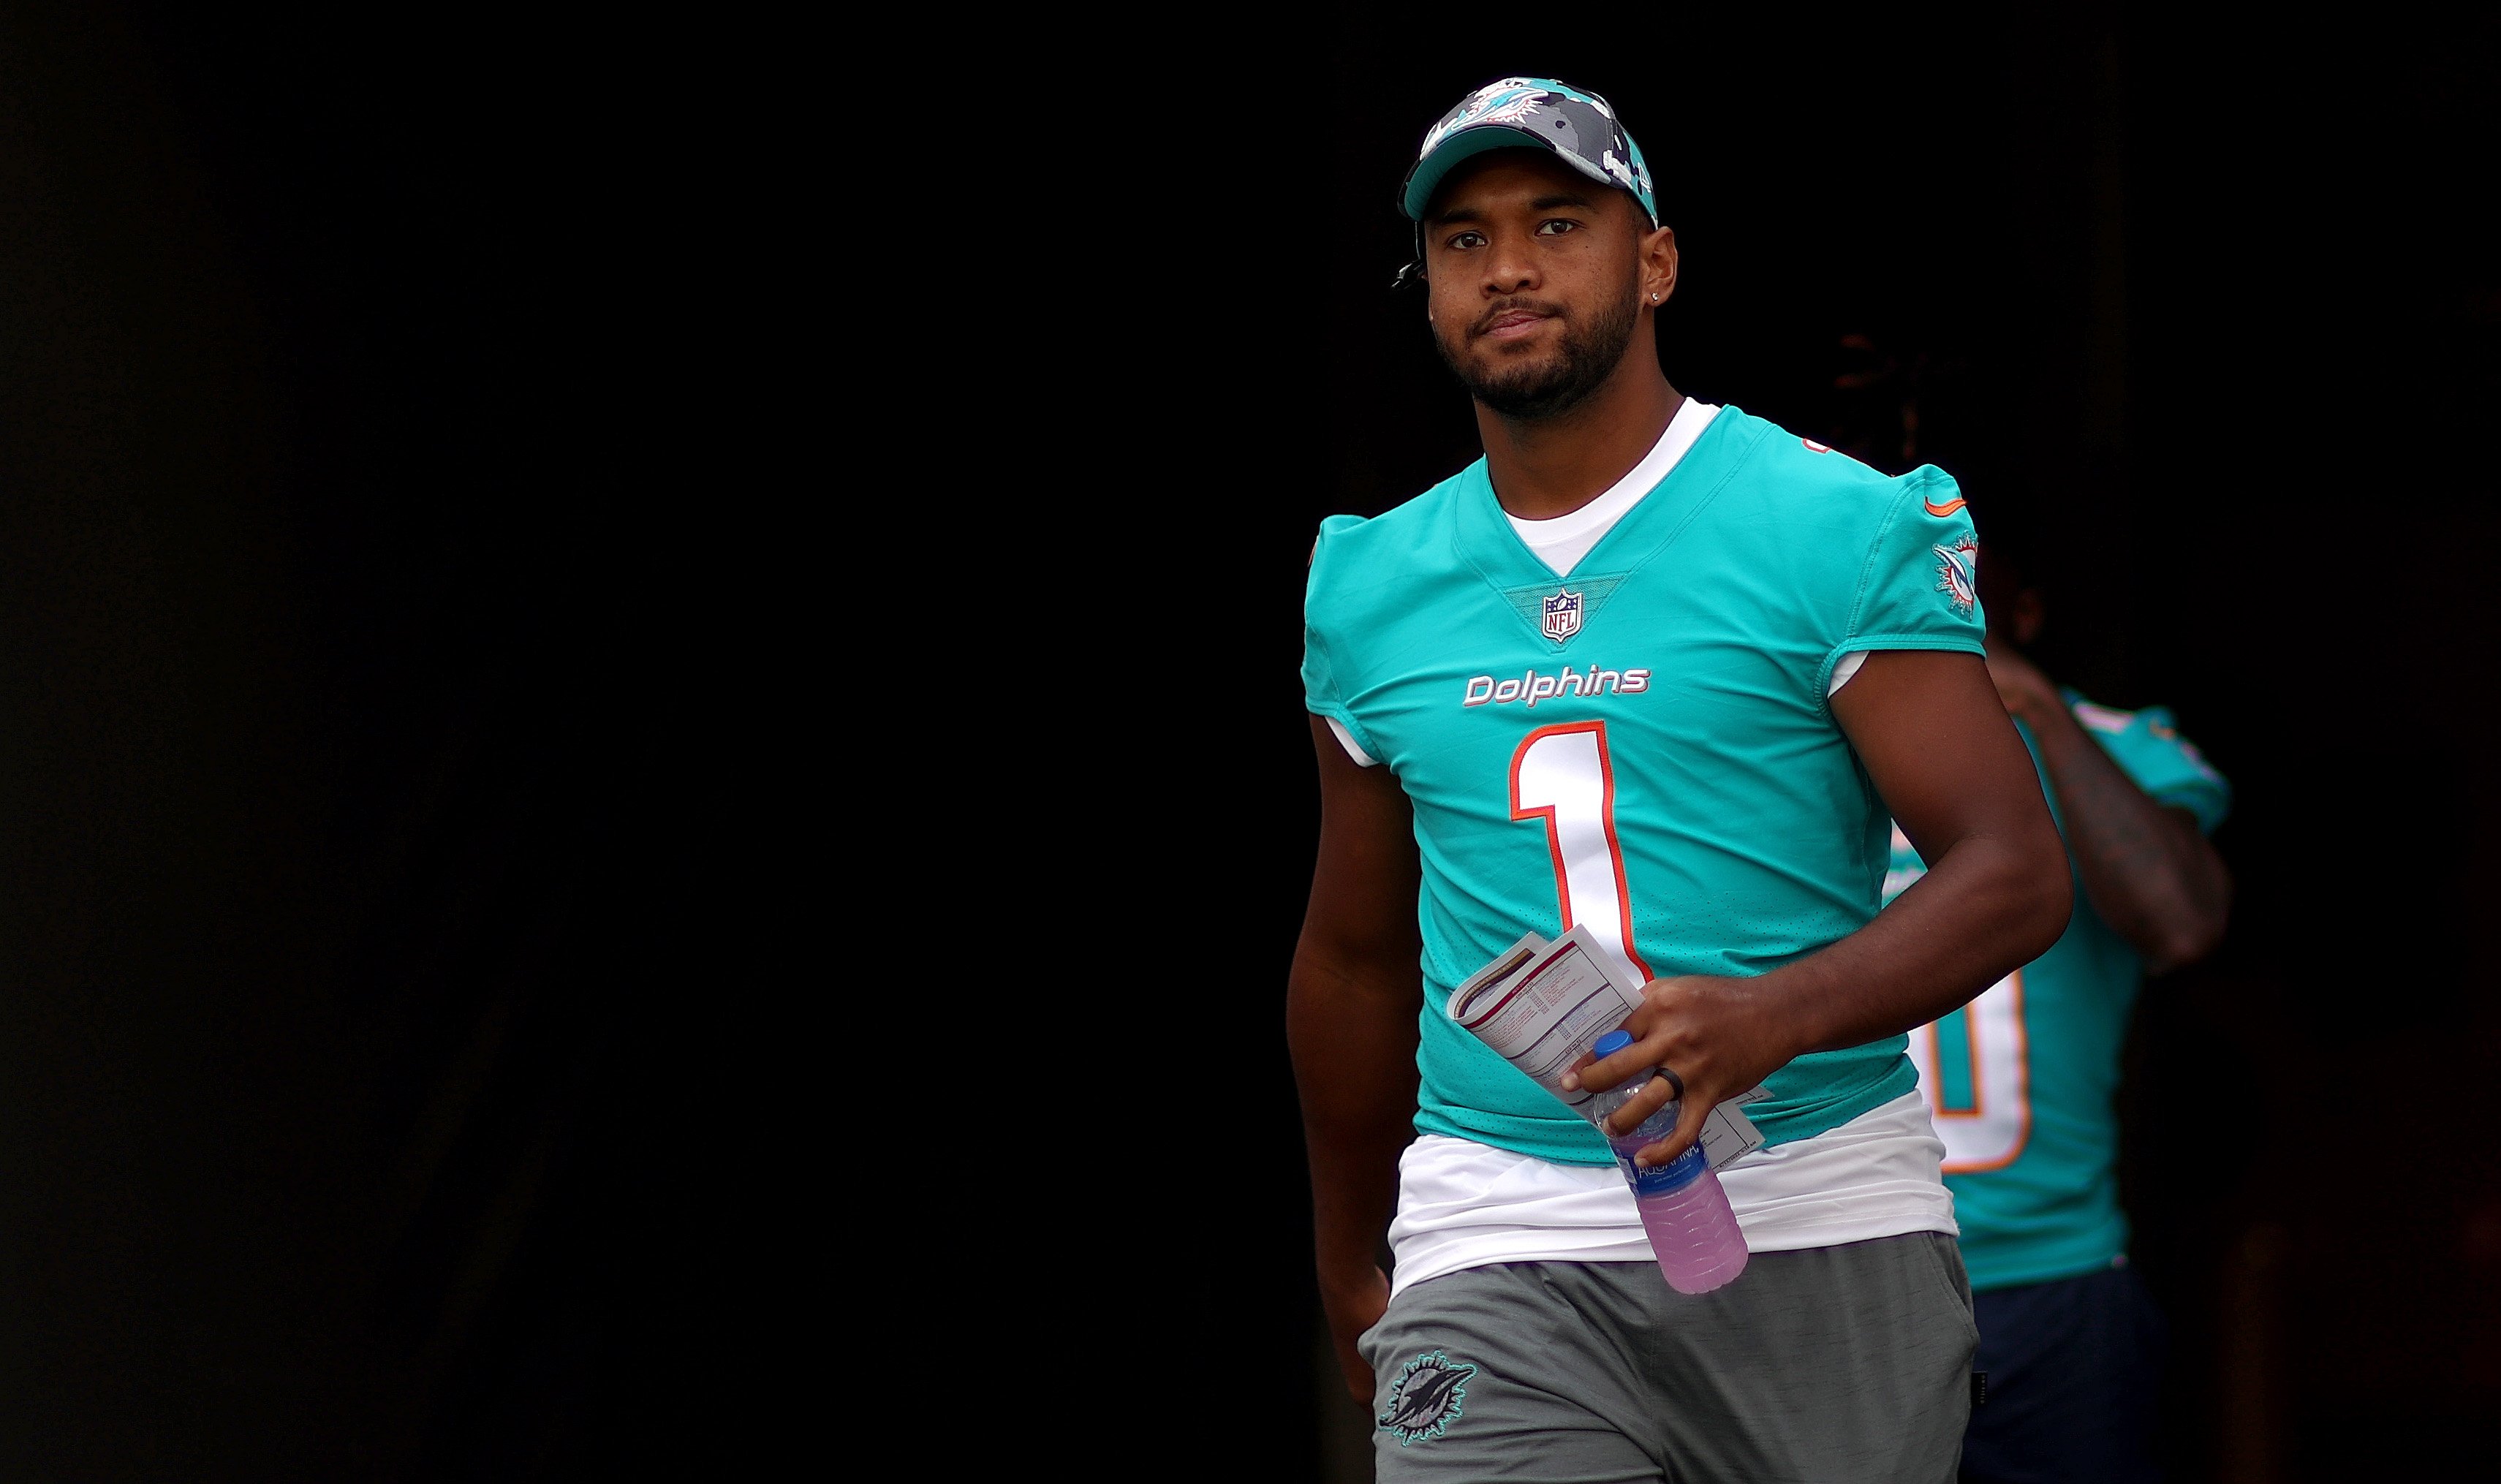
(2022, 1080)
(1660, 670)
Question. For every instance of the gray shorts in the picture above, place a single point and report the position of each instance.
(1848, 1365)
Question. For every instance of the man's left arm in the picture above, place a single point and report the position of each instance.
(1930, 730)
(2147, 869)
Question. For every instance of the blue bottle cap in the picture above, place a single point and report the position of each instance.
(1611, 1043)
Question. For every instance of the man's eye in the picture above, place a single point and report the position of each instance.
(1466, 239)
(1557, 227)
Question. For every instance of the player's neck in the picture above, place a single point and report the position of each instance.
(1550, 466)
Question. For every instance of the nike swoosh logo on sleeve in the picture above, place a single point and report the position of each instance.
(1947, 509)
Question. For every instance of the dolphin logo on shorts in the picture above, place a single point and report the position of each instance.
(1425, 1401)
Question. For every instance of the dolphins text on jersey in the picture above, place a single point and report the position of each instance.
(1533, 687)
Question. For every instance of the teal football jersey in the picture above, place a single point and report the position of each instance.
(2020, 1080)
(1642, 748)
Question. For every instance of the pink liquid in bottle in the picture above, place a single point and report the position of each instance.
(1693, 1230)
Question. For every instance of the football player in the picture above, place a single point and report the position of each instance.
(2020, 1081)
(1664, 671)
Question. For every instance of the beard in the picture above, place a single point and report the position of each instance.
(1587, 355)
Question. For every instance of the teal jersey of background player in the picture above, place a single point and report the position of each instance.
(1642, 748)
(2020, 1081)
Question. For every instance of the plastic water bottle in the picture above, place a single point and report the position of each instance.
(1692, 1232)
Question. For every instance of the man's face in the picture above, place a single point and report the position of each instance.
(1535, 273)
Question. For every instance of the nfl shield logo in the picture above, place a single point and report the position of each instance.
(1562, 616)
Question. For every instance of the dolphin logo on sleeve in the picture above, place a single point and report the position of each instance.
(1959, 573)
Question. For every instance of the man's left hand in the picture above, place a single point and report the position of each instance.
(1719, 1035)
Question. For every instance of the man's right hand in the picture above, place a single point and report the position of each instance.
(1354, 1305)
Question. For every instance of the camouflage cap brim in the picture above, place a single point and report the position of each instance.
(1576, 127)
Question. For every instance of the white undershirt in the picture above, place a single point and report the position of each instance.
(1465, 1204)
(1562, 542)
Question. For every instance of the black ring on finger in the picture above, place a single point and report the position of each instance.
(1673, 1080)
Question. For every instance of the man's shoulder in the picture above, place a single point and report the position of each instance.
(1843, 532)
(2153, 723)
(1363, 552)
(2093, 716)
(2149, 748)
(1791, 469)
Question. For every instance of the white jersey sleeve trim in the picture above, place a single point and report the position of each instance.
(1346, 739)
(1562, 542)
(2108, 719)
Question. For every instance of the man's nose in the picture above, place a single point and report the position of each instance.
(1509, 267)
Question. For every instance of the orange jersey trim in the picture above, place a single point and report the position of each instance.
(2020, 1094)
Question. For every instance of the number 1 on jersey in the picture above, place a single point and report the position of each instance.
(1564, 774)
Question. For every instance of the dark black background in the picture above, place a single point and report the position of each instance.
(375, 945)
(492, 515)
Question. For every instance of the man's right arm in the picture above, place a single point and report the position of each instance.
(1350, 1008)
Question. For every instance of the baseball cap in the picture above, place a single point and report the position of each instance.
(1578, 127)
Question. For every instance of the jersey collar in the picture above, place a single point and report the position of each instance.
(1490, 545)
